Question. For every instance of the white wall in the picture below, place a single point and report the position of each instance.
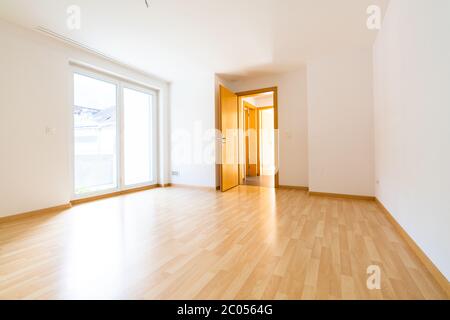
(193, 130)
(35, 93)
(250, 100)
(264, 101)
(340, 108)
(292, 122)
(412, 122)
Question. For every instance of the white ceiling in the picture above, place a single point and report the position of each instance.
(261, 98)
(234, 38)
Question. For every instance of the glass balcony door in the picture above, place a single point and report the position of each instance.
(138, 137)
(95, 135)
(114, 135)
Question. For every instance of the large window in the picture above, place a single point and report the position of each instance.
(114, 135)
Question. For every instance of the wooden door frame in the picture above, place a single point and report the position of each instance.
(243, 94)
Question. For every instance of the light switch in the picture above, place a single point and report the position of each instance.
(50, 130)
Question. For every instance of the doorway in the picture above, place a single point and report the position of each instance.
(248, 152)
(258, 112)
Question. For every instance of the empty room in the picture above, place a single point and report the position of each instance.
(242, 150)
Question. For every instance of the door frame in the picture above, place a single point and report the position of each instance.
(243, 94)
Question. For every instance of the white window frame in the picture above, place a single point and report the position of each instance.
(120, 84)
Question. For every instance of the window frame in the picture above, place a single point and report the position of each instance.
(120, 84)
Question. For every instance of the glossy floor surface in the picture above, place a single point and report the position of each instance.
(184, 243)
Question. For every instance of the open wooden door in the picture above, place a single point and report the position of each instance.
(229, 127)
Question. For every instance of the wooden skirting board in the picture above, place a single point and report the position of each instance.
(435, 272)
(330, 195)
(114, 194)
(338, 195)
(293, 187)
(165, 185)
(79, 201)
(28, 214)
(194, 187)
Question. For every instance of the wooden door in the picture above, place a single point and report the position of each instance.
(229, 127)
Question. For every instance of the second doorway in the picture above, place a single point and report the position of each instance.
(257, 112)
